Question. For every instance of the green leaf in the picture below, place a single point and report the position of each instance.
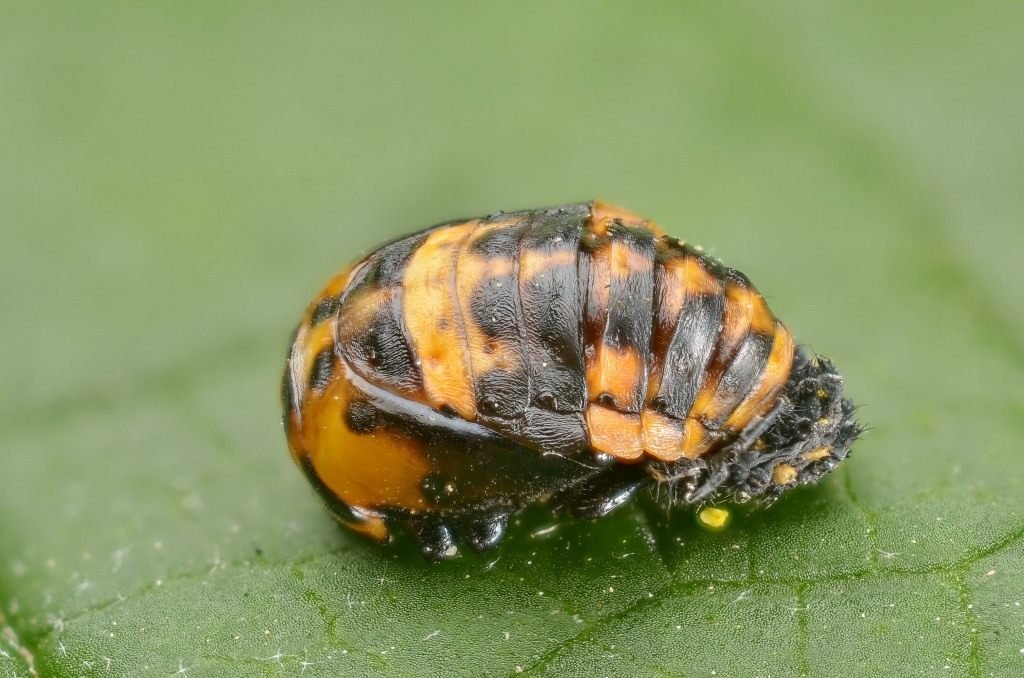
(177, 180)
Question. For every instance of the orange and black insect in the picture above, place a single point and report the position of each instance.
(572, 354)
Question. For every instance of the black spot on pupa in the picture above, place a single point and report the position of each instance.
(547, 401)
(493, 308)
(325, 309)
(378, 350)
(629, 314)
(499, 243)
(551, 307)
(502, 393)
(686, 359)
(287, 393)
(488, 406)
(361, 417)
(742, 375)
(387, 265)
(323, 370)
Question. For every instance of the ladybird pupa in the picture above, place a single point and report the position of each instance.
(572, 355)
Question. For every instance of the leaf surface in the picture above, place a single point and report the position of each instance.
(177, 181)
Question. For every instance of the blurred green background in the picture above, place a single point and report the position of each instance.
(178, 179)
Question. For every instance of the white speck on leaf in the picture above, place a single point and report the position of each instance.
(744, 595)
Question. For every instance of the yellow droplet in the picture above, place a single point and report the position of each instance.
(822, 393)
(714, 518)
